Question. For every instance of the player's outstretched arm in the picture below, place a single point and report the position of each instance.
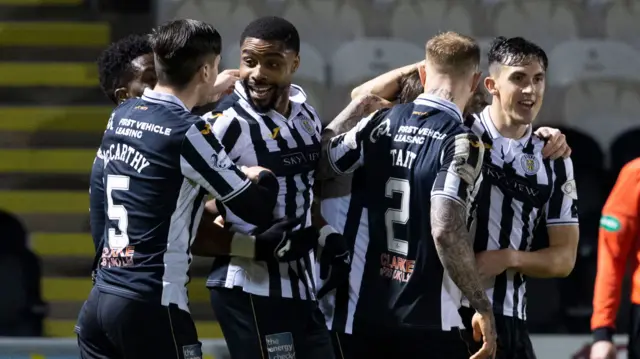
(204, 161)
(342, 136)
(386, 85)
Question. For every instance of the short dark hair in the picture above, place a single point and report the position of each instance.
(114, 63)
(516, 51)
(410, 87)
(180, 48)
(273, 28)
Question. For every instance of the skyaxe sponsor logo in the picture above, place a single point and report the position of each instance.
(298, 158)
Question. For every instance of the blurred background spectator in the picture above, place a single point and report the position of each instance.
(21, 308)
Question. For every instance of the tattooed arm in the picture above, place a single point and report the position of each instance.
(351, 121)
(354, 112)
(387, 85)
(460, 172)
(453, 243)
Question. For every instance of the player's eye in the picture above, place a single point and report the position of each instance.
(517, 78)
(248, 61)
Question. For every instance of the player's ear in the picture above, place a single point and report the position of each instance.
(121, 94)
(423, 74)
(490, 85)
(209, 70)
(296, 64)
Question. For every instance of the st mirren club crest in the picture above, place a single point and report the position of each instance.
(308, 126)
(530, 164)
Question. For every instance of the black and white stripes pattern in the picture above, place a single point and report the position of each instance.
(291, 149)
(518, 188)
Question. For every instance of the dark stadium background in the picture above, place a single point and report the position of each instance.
(52, 115)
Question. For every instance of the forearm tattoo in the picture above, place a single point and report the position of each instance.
(349, 117)
(345, 121)
(448, 226)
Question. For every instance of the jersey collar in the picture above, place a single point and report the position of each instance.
(487, 122)
(296, 96)
(439, 103)
(162, 98)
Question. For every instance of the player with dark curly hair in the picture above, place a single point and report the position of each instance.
(126, 68)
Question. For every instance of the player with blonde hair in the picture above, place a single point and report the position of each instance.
(415, 167)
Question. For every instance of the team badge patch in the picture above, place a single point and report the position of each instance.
(280, 346)
(530, 164)
(220, 161)
(308, 126)
(462, 149)
(569, 189)
(193, 351)
(383, 129)
(610, 223)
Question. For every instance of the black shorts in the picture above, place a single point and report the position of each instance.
(342, 345)
(513, 336)
(257, 327)
(376, 342)
(113, 327)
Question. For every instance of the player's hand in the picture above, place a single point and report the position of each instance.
(335, 261)
(484, 329)
(276, 242)
(253, 172)
(603, 349)
(371, 103)
(225, 82)
(556, 145)
(492, 263)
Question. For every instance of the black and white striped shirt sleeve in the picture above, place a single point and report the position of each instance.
(344, 152)
(561, 209)
(227, 128)
(204, 160)
(461, 160)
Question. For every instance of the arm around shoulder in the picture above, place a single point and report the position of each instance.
(204, 161)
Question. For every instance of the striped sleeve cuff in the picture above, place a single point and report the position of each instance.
(603, 333)
(562, 222)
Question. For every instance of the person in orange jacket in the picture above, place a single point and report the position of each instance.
(619, 244)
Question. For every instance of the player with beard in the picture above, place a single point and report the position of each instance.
(266, 304)
(412, 162)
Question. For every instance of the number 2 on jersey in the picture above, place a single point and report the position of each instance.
(117, 212)
(399, 216)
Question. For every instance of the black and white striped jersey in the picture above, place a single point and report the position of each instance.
(518, 188)
(159, 163)
(290, 147)
(402, 158)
